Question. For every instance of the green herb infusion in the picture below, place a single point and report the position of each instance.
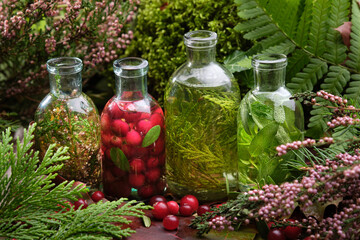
(201, 140)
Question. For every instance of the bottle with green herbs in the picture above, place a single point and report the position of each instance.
(69, 118)
(267, 117)
(132, 134)
(201, 104)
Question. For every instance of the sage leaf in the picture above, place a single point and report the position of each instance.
(146, 221)
(119, 159)
(263, 140)
(152, 135)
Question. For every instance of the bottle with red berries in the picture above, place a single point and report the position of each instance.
(132, 134)
(267, 118)
(68, 118)
(201, 102)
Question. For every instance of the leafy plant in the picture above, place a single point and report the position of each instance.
(32, 207)
(161, 25)
(305, 32)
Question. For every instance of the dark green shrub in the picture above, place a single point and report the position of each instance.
(159, 30)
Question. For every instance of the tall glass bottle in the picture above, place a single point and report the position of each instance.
(69, 118)
(267, 118)
(132, 133)
(201, 105)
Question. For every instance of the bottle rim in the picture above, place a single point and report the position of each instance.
(200, 39)
(271, 61)
(64, 65)
(131, 67)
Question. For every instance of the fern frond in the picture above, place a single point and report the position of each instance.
(336, 80)
(354, 56)
(285, 47)
(318, 27)
(317, 123)
(272, 40)
(335, 48)
(353, 91)
(296, 62)
(252, 23)
(305, 80)
(302, 34)
(261, 32)
(248, 9)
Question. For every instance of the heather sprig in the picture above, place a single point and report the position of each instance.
(331, 178)
(96, 31)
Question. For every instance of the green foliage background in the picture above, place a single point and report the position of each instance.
(160, 27)
(304, 30)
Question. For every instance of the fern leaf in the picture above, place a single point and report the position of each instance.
(272, 40)
(284, 12)
(335, 49)
(354, 56)
(252, 23)
(317, 123)
(250, 12)
(353, 91)
(285, 47)
(305, 80)
(336, 80)
(296, 62)
(304, 24)
(261, 32)
(318, 28)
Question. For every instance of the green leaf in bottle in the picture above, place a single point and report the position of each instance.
(264, 139)
(152, 135)
(119, 159)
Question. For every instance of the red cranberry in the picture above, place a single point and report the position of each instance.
(119, 127)
(160, 210)
(186, 210)
(292, 232)
(152, 162)
(137, 165)
(114, 111)
(170, 222)
(105, 122)
(143, 126)
(133, 138)
(157, 119)
(275, 234)
(156, 198)
(146, 191)
(158, 146)
(136, 180)
(97, 196)
(203, 209)
(173, 207)
(191, 201)
(152, 175)
(80, 202)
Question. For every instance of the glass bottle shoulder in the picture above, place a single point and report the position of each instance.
(212, 74)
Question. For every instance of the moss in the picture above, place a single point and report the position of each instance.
(160, 28)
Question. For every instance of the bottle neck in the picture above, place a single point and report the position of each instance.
(131, 88)
(269, 80)
(130, 78)
(201, 56)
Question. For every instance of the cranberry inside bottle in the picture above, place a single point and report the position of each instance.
(132, 134)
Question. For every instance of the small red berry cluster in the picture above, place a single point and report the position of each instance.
(290, 232)
(82, 203)
(167, 211)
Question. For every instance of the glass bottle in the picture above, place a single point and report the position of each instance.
(69, 118)
(132, 133)
(267, 118)
(201, 102)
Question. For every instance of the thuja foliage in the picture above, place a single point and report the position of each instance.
(33, 207)
(31, 32)
(161, 25)
(321, 204)
(304, 30)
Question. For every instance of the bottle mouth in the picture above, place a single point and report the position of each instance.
(131, 67)
(200, 39)
(64, 65)
(271, 61)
